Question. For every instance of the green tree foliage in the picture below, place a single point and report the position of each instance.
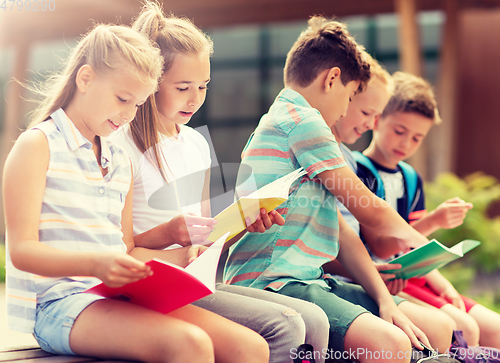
(482, 191)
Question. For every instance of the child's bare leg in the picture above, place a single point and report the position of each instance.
(377, 340)
(115, 329)
(464, 322)
(437, 325)
(232, 342)
(489, 326)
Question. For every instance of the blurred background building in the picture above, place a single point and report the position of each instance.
(449, 42)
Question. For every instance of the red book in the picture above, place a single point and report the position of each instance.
(170, 287)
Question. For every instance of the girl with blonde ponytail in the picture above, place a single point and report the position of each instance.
(67, 198)
(168, 154)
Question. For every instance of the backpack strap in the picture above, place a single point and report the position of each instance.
(411, 180)
(367, 163)
(410, 177)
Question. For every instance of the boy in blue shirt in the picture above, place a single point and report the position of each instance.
(397, 135)
(324, 69)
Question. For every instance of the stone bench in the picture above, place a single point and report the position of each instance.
(33, 354)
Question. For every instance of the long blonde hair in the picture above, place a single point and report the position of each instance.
(104, 48)
(174, 36)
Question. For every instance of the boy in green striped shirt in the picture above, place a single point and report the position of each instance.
(324, 68)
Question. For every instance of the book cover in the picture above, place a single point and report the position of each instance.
(171, 286)
(269, 197)
(428, 257)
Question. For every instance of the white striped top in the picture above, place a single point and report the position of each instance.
(81, 211)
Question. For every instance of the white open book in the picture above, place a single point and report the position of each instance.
(269, 197)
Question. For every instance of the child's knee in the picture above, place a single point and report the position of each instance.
(316, 320)
(374, 339)
(440, 333)
(254, 348)
(394, 340)
(191, 344)
(390, 344)
(447, 324)
(261, 350)
(470, 328)
(284, 329)
(292, 326)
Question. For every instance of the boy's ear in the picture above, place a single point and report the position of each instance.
(332, 77)
(84, 77)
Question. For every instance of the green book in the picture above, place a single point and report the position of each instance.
(428, 257)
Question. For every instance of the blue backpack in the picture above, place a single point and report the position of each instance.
(410, 177)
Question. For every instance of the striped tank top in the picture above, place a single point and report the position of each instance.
(81, 211)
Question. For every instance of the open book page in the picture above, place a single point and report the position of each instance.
(465, 246)
(428, 257)
(171, 286)
(204, 268)
(269, 197)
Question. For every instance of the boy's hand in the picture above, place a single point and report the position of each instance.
(188, 229)
(453, 297)
(118, 269)
(395, 316)
(451, 213)
(405, 246)
(394, 286)
(264, 221)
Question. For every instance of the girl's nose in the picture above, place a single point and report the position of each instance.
(129, 114)
(195, 98)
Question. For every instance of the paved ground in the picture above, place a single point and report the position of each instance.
(9, 338)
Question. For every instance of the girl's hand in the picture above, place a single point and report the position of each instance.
(118, 269)
(193, 252)
(188, 229)
(264, 221)
(393, 315)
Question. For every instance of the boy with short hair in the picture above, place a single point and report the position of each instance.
(324, 69)
(397, 135)
(364, 108)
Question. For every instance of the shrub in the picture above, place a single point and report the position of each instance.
(482, 191)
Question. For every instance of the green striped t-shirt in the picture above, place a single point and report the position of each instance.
(291, 135)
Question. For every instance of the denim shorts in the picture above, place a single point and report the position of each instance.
(55, 319)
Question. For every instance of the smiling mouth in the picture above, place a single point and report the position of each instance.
(360, 132)
(114, 124)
